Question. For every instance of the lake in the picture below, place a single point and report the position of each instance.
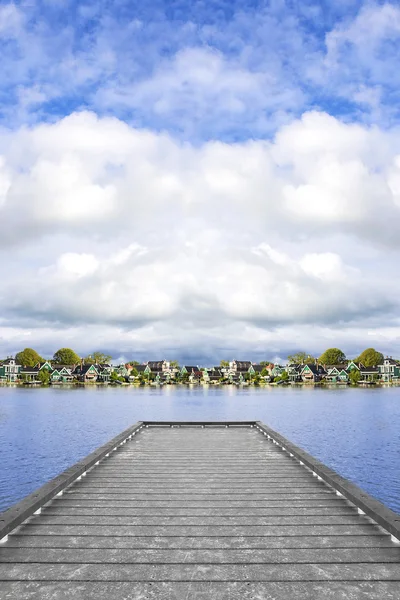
(354, 431)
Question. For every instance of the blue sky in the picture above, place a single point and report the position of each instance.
(200, 70)
(218, 175)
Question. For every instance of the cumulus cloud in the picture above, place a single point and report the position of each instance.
(131, 240)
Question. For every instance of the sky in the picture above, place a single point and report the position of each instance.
(199, 180)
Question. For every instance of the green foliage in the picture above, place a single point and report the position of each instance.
(332, 356)
(28, 357)
(301, 358)
(66, 356)
(134, 372)
(174, 364)
(224, 363)
(370, 358)
(282, 377)
(354, 377)
(97, 358)
(44, 377)
(264, 373)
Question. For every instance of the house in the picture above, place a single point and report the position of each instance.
(369, 374)
(159, 366)
(193, 372)
(9, 370)
(294, 372)
(212, 375)
(238, 366)
(104, 370)
(86, 373)
(336, 374)
(120, 370)
(312, 373)
(277, 370)
(389, 370)
(189, 369)
(29, 373)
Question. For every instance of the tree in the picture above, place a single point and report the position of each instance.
(354, 376)
(370, 358)
(332, 356)
(301, 358)
(44, 377)
(28, 357)
(174, 364)
(224, 363)
(97, 358)
(264, 373)
(66, 356)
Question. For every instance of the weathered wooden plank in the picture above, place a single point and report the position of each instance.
(199, 572)
(194, 521)
(201, 530)
(115, 511)
(200, 556)
(201, 542)
(325, 501)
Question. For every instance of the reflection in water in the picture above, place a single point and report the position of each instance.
(354, 431)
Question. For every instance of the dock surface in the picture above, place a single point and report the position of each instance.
(199, 512)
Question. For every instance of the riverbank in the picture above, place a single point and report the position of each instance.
(299, 384)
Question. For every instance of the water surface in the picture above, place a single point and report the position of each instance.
(354, 431)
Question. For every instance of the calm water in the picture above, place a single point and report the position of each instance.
(354, 431)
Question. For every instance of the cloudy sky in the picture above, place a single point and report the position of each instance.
(199, 179)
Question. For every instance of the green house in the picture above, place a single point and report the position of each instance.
(9, 370)
(389, 370)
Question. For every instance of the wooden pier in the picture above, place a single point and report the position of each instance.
(199, 511)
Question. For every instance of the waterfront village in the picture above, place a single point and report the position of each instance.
(306, 370)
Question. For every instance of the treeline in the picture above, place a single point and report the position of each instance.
(64, 356)
(334, 356)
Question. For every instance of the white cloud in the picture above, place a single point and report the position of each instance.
(132, 240)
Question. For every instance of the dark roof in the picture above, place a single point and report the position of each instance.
(258, 368)
(191, 368)
(156, 364)
(26, 370)
(9, 360)
(139, 368)
(391, 361)
(315, 369)
(369, 370)
(242, 364)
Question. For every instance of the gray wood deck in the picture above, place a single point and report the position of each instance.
(199, 513)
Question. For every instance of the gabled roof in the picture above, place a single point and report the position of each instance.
(242, 364)
(191, 368)
(391, 361)
(369, 370)
(83, 369)
(258, 368)
(315, 369)
(139, 368)
(156, 364)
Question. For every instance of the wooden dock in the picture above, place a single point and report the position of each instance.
(199, 511)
